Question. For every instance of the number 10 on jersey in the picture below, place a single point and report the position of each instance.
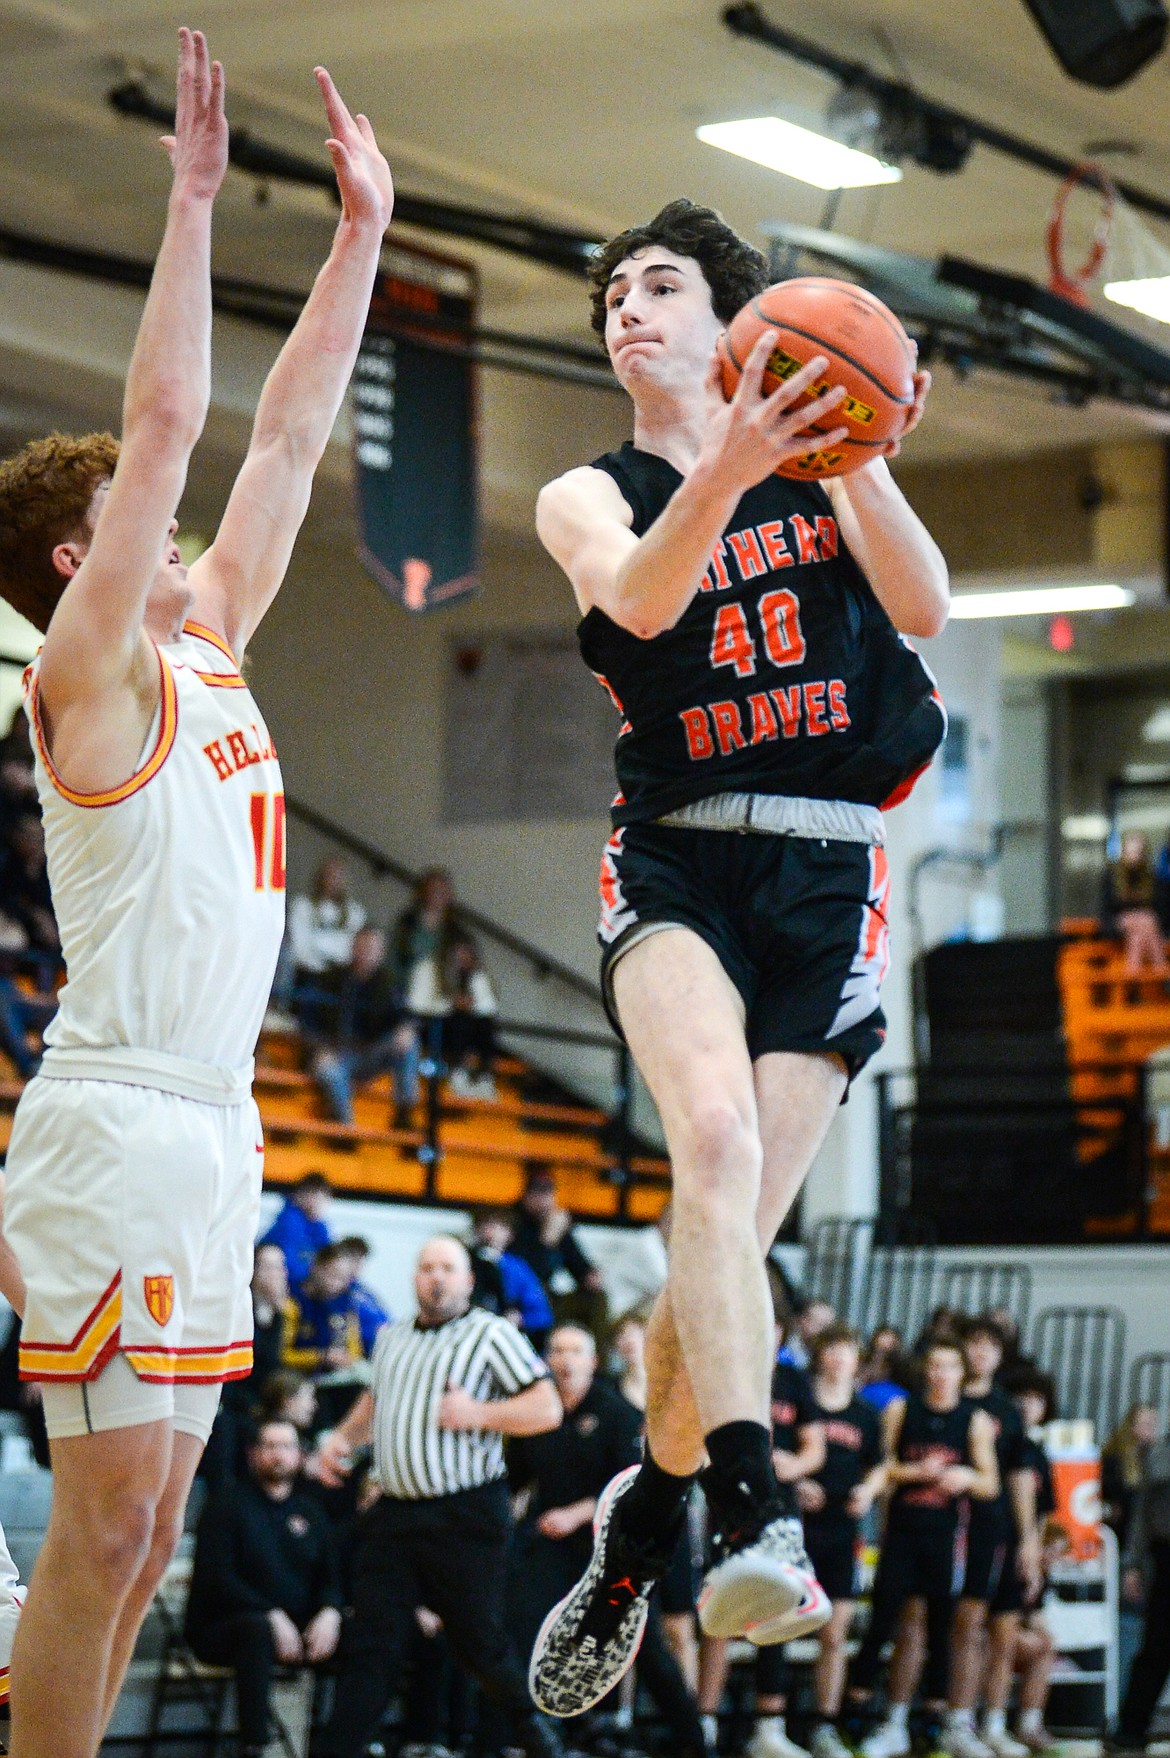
(269, 841)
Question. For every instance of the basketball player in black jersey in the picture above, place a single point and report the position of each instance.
(834, 1500)
(1003, 1551)
(748, 627)
(940, 1455)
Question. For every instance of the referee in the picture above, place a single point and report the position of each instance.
(446, 1388)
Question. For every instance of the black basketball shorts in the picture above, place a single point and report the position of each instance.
(1010, 1594)
(987, 1548)
(831, 1543)
(799, 925)
(923, 1559)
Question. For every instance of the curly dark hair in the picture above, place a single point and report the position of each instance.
(733, 269)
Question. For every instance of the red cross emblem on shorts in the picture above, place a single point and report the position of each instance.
(160, 1297)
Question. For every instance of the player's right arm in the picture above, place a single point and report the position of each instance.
(644, 584)
(99, 679)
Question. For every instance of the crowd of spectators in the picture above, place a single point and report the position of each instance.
(30, 947)
(280, 1532)
(369, 1000)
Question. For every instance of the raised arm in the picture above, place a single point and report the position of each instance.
(99, 682)
(645, 583)
(236, 579)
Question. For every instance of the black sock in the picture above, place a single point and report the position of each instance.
(742, 1476)
(652, 1506)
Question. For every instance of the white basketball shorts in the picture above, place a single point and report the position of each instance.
(132, 1212)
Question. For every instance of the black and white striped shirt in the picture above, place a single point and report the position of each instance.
(412, 1367)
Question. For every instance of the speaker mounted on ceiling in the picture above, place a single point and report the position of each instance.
(1102, 42)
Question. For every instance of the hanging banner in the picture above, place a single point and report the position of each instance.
(415, 441)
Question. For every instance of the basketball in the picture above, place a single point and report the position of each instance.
(868, 352)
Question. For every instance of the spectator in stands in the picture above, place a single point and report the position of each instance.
(302, 1228)
(360, 1028)
(810, 1319)
(629, 1348)
(884, 1373)
(266, 1584)
(372, 1315)
(426, 926)
(272, 1313)
(18, 786)
(1147, 1562)
(452, 995)
(545, 1238)
(1123, 1467)
(1008, 1326)
(326, 1331)
(321, 927)
(287, 1396)
(25, 898)
(1131, 906)
(504, 1283)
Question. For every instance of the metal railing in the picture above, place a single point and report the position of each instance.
(1149, 1382)
(1083, 1348)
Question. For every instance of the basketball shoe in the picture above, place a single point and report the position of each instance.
(591, 1639)
(761, 1584)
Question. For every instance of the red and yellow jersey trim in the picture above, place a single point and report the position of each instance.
(84, 1357)
(192, 1367)
(167, 728)
(218, 680)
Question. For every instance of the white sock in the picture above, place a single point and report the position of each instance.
(957, 1718)
(899, 1716)
(995, 1723)
(772, 1721)
(710, 1728)
(624, 1717)
(1031, 1721)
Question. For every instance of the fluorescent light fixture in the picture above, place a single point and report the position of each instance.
(1085, 827)
(798, 152)
(1150, 296)
(1157, 728)
(1040, 601)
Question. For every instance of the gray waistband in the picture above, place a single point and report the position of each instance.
(201, 1081)
(783, 815)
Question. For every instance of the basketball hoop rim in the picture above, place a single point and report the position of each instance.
(1071, 284)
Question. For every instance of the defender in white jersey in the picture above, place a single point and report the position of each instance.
(135, 1163)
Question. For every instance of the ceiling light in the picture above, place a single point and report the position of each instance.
(1085, 827)
(1150, 295)
(798, 152)
(1157, 728)
(1040, 601)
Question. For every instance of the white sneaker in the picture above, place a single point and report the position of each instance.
(1005, 1746)
(827, 1743)
(763, 1587)
(886, 1741)
(770, 1741)
(963, 1742)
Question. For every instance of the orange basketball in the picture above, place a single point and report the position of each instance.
(868, 352)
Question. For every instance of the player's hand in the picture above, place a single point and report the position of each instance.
(1133, 1586)
(1030, 1565)
(198, 149)
(956, 1480)
(810, 1496)
(750, 436)
(286, 1638)
(922, 384)
(363, 176)
(785, 1465)
(859, 1501)
(322, 1634)
(459, 1410)
(332, 1463)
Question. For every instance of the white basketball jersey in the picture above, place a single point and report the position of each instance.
(169, 890)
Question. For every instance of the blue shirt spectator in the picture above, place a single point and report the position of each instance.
(372, 1315)
(301, 1228)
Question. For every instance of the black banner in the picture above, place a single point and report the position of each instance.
(414, 418)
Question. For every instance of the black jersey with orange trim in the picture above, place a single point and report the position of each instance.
(784, 675)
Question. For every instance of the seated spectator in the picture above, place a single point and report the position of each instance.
(545, 1238)
(271, 1303)
(1131, 906)
(360, 1029)
(266, 1585)
(286, 1396)
(1123, 1467)
(324, 1333)
(321, 927)
(629, 1349)
(301, 1227)
(504, 1283)
(456, 991)
(426, 926)
(372, 1315)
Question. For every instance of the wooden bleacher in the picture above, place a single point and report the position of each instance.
(1113, 1022)
(485, 1147)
